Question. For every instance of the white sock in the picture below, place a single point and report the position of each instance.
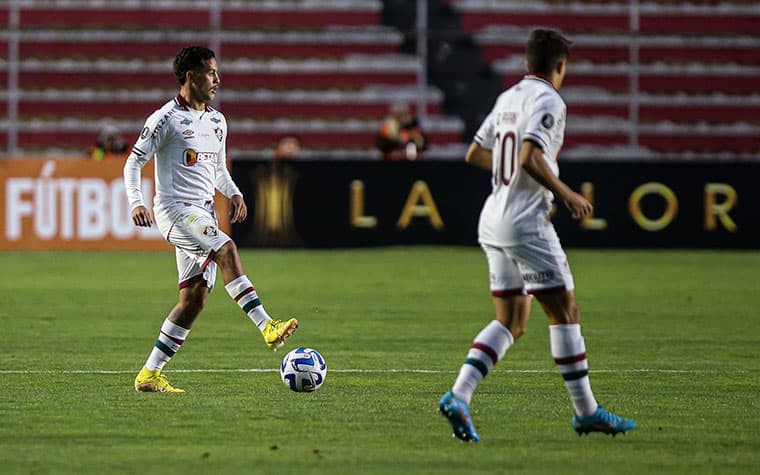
(169, 341)
(241, 290)
(487, 349)
(569, 352)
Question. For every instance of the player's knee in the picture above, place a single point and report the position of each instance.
(227, 254)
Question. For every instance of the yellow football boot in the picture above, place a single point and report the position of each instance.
(276, 332)
(154, 382)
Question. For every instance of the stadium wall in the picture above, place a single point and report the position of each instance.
(52, 203)
(637, 204)
(57, 204)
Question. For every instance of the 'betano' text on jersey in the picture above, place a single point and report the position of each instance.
(518, 206)
(189, 146)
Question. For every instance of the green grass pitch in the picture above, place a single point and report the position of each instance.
(672, 339)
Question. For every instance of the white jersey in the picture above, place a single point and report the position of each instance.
(518, 205)
(189, 146)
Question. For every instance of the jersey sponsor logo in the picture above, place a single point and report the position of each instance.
(219, 133)
(538, 277)
(215, 120)
(547, 121)
(185, 121)
(190, 157)
(145, 132)
(209, 231)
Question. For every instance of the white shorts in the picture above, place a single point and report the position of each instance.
(538, 265)
(194, 231)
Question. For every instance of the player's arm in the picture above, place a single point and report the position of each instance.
(226, 186)
(142, 152)
(132, 167)
(479, 156)
(532, 160)
(479, 153)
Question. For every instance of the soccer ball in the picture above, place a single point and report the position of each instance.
(303, 370)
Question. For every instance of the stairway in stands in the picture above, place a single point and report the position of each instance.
(323, 70)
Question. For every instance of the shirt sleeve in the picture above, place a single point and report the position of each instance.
(147, 144)
(544, 119)
(485, 134)
(224, 182)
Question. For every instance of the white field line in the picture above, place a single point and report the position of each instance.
(354, 370)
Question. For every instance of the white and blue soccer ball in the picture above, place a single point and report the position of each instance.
(303, 370)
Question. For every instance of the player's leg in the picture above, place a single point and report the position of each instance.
(492, 342)
(568, 347)
(569, 352)
(512, 308)
(547, 274)
(174, 331)
(242, 291)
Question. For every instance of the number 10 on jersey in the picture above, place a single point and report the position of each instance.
(505, 160)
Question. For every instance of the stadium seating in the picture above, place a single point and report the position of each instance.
(697, 80)
(325, 71)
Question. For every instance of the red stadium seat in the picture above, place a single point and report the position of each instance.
(748, 53)
(300, 105)
(700, 83)
(95, 44)
(251, 16)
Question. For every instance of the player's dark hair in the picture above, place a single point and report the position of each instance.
(189, 59)
(546, 48)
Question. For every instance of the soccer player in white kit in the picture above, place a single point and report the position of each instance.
(519, 142)
(188, 139)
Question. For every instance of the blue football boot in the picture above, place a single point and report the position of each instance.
(602, 421)
(458, 414)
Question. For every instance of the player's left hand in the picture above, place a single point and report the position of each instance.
(579, 206)
(238, 210)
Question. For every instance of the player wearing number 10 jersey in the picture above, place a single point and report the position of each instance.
(519, 142)
(519, 205)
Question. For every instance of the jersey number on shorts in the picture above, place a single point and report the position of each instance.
(508, 143)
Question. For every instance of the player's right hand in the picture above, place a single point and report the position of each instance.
(579, 206)
(141, 217)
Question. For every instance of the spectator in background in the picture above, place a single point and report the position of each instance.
(400, 136)
(288, 148)
(110, 144)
